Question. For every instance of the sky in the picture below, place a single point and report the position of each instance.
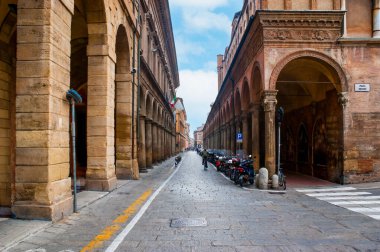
(202, 30)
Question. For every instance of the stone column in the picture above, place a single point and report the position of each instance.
(42, 183)
(343, 8)
(142, 145)
(256, 134)
(269, 103)
(160, 145)
(154, 142)
(232, 137)
(228, 137)
(163, 143)
(148, 142)
(245, 134)
(376, 18)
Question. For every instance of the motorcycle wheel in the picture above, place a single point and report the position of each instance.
(251, 181)
(236, 179)
(241, 180)
(231, 175)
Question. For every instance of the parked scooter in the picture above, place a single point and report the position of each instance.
(246, 172)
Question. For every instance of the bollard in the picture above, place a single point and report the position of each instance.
(275, 181)
(263, 178)
(257, 180)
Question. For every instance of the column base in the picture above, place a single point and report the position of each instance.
(143, 170)
(103, 185)
(135, 167)
(55, 212)
(5, 211)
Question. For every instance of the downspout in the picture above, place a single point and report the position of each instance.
(133, 91)
(138, 74)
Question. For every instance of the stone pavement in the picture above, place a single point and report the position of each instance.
(13, 230)
(229, 217)
(241, 220)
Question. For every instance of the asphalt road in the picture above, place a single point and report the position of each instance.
(189, 209)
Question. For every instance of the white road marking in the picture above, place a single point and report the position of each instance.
(349, 198)
(337, 194)
(120, 237)
(345, 197)
(375, 216)
(365, 209)
(358, 202)
(326, 189)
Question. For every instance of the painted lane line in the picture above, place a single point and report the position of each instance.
(120, 237)
(349, 198)
(359, 202)
(337, 194)
(375, 216)
(326, 189)
(117, 223)
(364, 209)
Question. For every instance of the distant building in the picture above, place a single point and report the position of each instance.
(198, 137)
(181, 126)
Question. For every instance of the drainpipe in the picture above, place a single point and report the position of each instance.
(138, 74)
(133, 93)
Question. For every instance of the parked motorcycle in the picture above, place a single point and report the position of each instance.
(246, 172)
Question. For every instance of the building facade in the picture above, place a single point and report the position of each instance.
(181, 125)
(319, 61)
(198, 137)
(93, 47)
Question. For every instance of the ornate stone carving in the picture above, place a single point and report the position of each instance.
(269, 100)
(301, 35)
(343, 99)
(297, 27)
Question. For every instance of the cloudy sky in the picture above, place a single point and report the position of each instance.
(201, 30)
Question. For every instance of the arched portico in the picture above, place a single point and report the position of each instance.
(123, 108)
(7, 106)
(309, 84)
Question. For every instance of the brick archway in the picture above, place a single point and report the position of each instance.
(308, 84)
(343, 85)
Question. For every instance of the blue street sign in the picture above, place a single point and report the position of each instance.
(239, 137)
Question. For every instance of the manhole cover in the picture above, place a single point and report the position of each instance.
(188, 222)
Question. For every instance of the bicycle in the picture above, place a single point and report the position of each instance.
(281, 179)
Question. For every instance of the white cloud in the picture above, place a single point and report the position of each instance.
(210, 65)
(198, 90)
(199, 4)
(186, 49)
(201, 21)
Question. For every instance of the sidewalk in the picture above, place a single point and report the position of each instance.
(15, 230)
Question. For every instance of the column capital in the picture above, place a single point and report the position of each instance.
(269, 100)
(343, 99)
